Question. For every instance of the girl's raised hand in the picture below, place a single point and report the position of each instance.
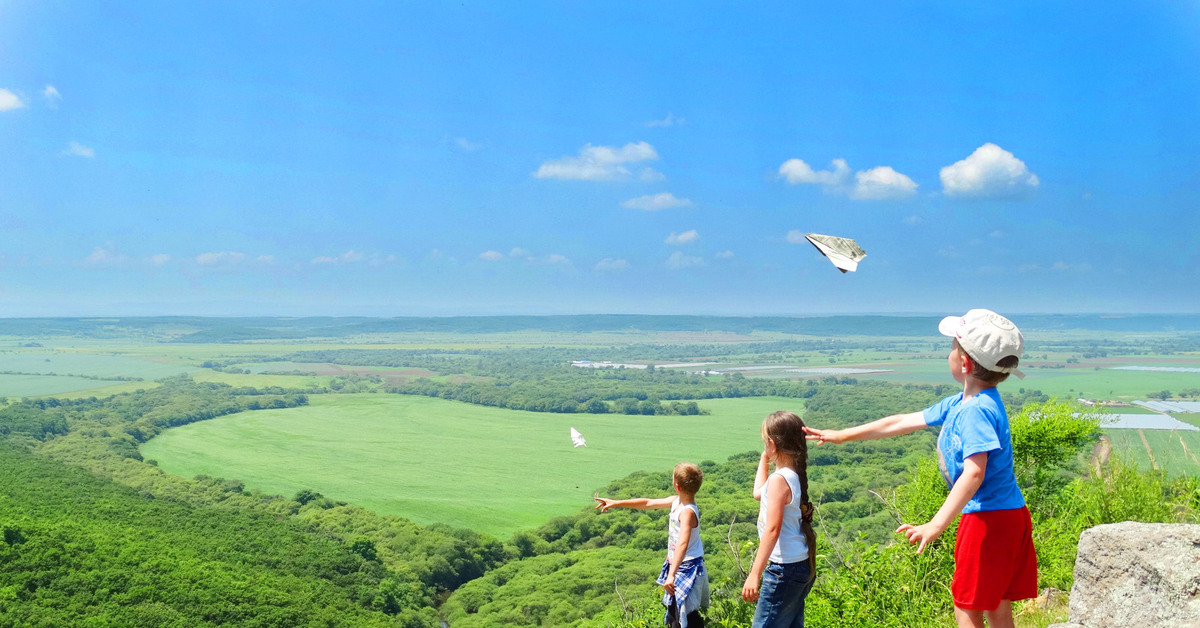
(604, 503)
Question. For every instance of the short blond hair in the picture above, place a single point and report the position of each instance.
(688, 476)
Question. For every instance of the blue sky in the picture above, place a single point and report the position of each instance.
(391, 159)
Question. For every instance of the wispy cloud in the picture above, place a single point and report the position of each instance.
(106, 255)
(610, 264)
(491, 256)
(466, 145)
(989, 172)
(159, 259)
(52, 97)
(598, 163)
(554, 259)
(678, 260)
(9, 100)
(670, 120)
(913, 221)
(795, 236)
(682, 238)
(349, 257)
(724, 255)
(220, 258)
(75, 149)
(655, 202)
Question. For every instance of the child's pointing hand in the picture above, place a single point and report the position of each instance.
(923, 534)
(604, 504)
(823, 436)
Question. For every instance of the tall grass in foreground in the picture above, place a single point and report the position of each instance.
(890, 586)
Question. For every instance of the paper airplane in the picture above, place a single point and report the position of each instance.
(577, 438)
(843, 252)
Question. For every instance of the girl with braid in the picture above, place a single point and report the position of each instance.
(786, 559)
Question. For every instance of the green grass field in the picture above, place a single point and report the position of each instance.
(1176, 453)
(433, 460)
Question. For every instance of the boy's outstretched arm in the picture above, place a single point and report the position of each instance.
(636, 503)
(895, 425)
(964, 489)
(687, 523)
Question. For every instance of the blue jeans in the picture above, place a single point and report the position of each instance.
(781, 596)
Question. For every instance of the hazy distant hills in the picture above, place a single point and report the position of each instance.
(212, 329)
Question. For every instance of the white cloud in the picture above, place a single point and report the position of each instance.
(159, 259)
(996, 234)
(609, 263)
(682, 238)
(558, 260)
(679, 260)
(989, 172)
(349, 257)
(949, 251)
(650, 175)
(877, 184)
(882, 184)
(265, 259)
(670, 120)
(1028, 268)
(655, 202)
(104, 256)
(597, 163)
(797, 172)
(219, 258)
(75, 149)
(491, 256)
(724, 255)
(520, 253)
(52, 96)
(913, 221)
(9, 100)
(1063, 267)
(467, 145)
(795, 236)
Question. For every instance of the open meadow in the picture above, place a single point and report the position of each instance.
(432, 460)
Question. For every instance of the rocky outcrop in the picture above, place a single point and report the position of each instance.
(1137, 575)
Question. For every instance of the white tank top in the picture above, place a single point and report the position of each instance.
(791, 547)
(695, 548)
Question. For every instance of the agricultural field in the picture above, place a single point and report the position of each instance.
(1175, 452)
(433, 460)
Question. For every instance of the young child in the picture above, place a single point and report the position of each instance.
(684, 578)
(994, 561)
(786, 558)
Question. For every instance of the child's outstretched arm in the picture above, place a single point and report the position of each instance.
(777, 497)
(895, 425)
(636, 503)
(687, 524)
(964, 489)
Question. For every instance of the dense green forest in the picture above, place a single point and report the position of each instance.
(92, 533)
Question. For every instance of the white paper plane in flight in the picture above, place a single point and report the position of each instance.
(577, 438)
(843, 252)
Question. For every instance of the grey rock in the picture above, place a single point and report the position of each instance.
(1137, 574)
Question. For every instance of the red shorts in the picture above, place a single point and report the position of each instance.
(994, 559)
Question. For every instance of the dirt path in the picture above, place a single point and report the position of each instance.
(1100, 454)
(1186, 450)
(1149, 452)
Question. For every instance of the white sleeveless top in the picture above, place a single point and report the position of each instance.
(791, 547)
(695, 548)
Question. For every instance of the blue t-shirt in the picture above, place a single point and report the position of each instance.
(977, 425)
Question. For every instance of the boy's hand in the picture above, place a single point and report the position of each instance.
(823, 436)
(604, 504)
(669, 585)
(750, 589)
(923, 534)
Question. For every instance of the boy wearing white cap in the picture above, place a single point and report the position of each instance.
(994, 561)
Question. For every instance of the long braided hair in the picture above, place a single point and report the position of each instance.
(787, 430)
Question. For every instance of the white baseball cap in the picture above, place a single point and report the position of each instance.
(987, 337)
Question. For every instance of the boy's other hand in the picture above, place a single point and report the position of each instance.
(923, 534)
(604, 503)
(822, 436)
(669, 585)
